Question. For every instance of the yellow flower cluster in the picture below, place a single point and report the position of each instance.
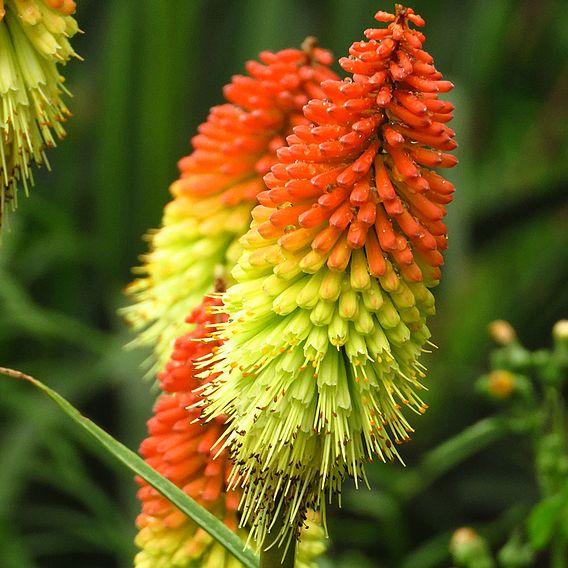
(34, 39)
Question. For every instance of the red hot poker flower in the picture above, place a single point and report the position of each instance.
(180, 449)
(328, 318)
(360, 176)
(218, 186)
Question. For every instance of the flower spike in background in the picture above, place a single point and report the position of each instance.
(328, 318)
(34, 39)
(181, 450)
(217, 189)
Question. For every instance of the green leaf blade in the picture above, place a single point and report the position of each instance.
(137, 465)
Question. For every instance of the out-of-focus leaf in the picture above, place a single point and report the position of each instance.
(547, 517)
(456, 449)
(15, 553)
(431, 554)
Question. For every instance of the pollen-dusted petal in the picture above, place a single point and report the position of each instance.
(384, 184)
(218, 187)
(433, 158)
(321, 363)
(361, 192)
(34, 40)
(385, 231)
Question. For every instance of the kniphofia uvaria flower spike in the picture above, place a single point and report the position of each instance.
(217, 189)
(328, 318)
(180, 449)
(34, 39)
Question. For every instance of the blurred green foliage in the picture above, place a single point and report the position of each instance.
(151, 71)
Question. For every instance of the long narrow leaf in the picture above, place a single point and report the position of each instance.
(132, 461)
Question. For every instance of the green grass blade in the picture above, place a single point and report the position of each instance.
(132, 461)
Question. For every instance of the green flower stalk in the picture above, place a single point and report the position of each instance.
(217, 189)
(327, 320)
(34, 39)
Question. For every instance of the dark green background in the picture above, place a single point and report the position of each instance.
(152, 69)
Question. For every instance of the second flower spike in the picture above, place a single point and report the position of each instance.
(217, 190)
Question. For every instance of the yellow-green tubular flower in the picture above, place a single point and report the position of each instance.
(189, 547)
(313, 542)
(34, 38)
(315, 369)
(217, 189)
(186, 546)
(327, 320)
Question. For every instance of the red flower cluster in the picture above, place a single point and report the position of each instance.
(359, 176)
(218, 186)
(179, 448)
(242, 138)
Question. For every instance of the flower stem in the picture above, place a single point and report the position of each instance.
(278, 554)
